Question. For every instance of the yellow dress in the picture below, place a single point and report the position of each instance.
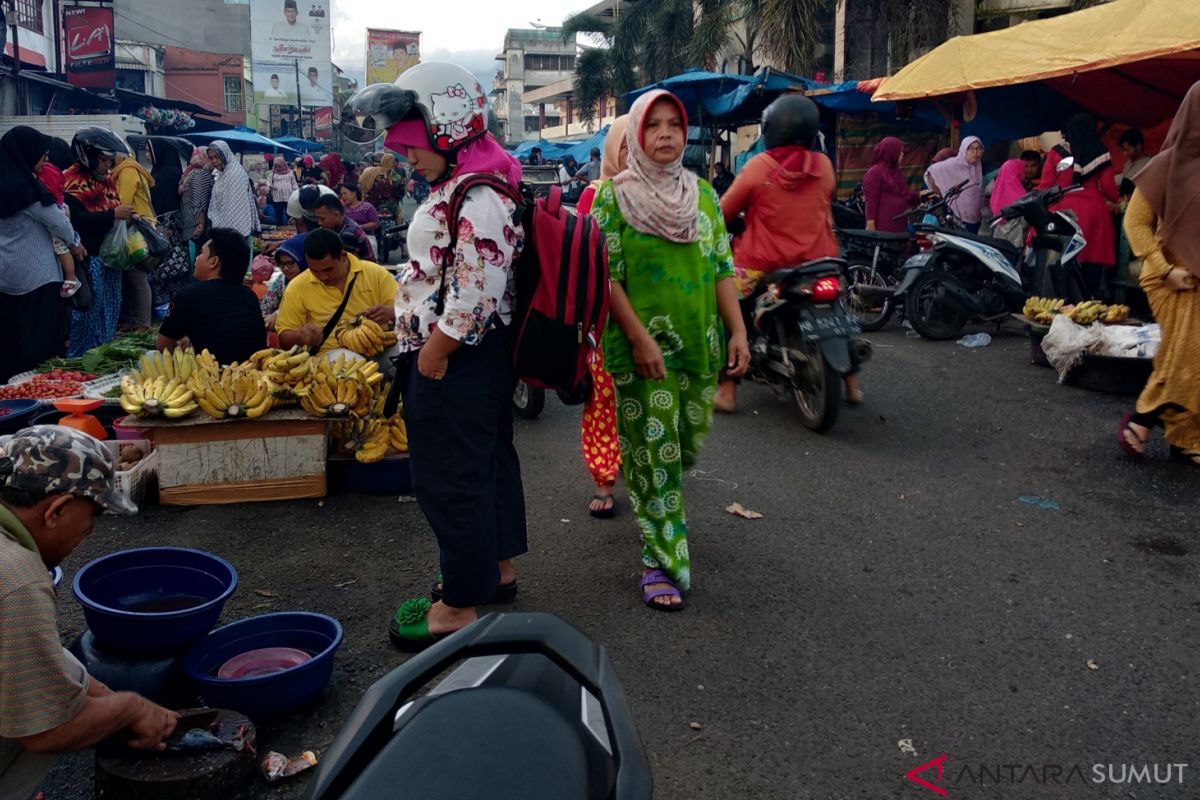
(1174, 386)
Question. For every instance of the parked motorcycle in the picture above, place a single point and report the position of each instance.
(392, 237)
(852, 212)
(1050, 265)
(803, 341)
(969, 277)
(534, 712)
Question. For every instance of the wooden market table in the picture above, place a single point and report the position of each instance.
(204, 461)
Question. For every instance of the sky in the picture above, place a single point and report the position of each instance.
(467, 32)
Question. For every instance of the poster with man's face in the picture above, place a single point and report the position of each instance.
(390, 53)
(291, 53)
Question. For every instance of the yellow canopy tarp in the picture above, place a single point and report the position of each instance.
(1106, 37)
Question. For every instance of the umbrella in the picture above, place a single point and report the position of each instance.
(241, 141)
(303, 145)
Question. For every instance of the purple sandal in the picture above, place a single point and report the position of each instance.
(671, 590)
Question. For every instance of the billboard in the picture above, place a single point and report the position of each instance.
(91, 59)
(391, 52)
(290, 45)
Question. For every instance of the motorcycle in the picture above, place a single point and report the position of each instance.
(1050, 262)
(392, 237)
(969, 277)
(803, 341)
(851, 213)
(533, 712)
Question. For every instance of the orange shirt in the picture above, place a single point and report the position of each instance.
(787, 208)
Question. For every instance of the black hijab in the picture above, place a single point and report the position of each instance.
(20, 150)
(61, 154)
(1089, 152)
(169, 161)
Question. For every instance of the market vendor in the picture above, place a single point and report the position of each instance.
(219, 313)
(313, 297)
(331, 215)
(53, 482)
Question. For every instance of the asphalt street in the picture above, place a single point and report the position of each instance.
(897, 601)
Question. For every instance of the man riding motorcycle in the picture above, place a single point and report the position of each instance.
(786, 197)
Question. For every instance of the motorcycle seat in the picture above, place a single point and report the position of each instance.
(879, 236)
(822, 266)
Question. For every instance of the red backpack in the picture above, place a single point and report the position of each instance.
(561, 285)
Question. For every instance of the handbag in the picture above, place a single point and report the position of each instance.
(84, 297)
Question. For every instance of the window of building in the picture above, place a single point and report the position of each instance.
(132, 80)
(550, 62)
(29, 14)
(233, 93)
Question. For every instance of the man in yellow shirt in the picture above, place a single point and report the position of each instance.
(313, 296)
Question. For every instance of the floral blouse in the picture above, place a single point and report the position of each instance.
(479, 278)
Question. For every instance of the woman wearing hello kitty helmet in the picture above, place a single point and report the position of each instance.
(458, 382)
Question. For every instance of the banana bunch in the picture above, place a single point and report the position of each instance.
(241, 391)
(1087, 312)
(1115, 314)
(179, 363)
(364, 336)
(367, 439)
(207, 368)
(288, 371)
(397, 434)
(341, 390)
(1042, 310)
(158, 397)
(363, 369)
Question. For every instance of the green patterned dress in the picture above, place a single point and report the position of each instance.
(663, 424)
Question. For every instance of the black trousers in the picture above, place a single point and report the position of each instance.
(33, 327)
(466, 474)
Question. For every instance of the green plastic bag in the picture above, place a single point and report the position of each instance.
(114, 250)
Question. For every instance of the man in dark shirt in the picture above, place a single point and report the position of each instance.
(722, 178)
(220, 312)
(331, 215)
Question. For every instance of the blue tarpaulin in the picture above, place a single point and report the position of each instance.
(303, 145)
(727, 99)
(241, 141)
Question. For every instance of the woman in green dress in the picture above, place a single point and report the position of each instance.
(672, 284)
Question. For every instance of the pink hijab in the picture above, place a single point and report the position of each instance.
(483, 154)
(1010, 185)
(953, 171)
(661, 200)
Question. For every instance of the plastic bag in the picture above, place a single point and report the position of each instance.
(136, 247)
(157, 244)
(114, 250)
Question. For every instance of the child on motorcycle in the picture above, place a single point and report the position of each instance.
(786, 197)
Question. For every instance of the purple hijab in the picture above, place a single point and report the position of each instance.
(953, 171)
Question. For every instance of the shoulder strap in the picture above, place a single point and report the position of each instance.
(337, 316)
(457, 198)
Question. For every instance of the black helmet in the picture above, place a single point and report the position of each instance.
(792, 119)
(91, 143)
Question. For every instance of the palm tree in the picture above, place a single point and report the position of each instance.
(788, 31)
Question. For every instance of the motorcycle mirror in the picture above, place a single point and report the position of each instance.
(1066, 164)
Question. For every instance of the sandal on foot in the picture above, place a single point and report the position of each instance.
(506, 593)
(1126, 431)
(1190, 458)
(610, 506)
(670, 590)
(409, 626)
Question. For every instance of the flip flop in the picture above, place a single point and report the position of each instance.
(1189, 458)
(604, 513)
(506, 593)
(1126, 427)
(409, 626)
(671, 590)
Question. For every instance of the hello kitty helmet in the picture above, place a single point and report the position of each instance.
(446, 97)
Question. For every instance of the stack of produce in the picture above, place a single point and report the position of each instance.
(1042, 310)
(156, 397)
(239, 391)
(288, 371)
(342, 388)
(53, 385)
(369, 440)
(364, 336)
(1094, 311)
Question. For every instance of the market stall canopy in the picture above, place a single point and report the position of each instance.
(729, 100)
(302, 145)
(241, 141)
(1128, 61)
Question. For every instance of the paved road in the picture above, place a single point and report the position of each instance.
(896, 589)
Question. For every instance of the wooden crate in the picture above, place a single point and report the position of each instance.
(202, 461)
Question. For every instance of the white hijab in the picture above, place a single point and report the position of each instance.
(232, 205)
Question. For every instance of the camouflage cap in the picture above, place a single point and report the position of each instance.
(53, 459)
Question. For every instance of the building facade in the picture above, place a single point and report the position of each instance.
(213, 80)
(532, 59)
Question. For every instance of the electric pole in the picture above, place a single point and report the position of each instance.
(299, 108)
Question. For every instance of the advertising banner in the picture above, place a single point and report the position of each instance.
(286, 35)
(391, 52)
(91, 59)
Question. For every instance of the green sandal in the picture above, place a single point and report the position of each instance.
(409, 626)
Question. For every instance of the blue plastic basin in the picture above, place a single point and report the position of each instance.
(153, 599)
(266, 695)
(19, 412)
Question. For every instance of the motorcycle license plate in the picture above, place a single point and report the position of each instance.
(827, 326)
